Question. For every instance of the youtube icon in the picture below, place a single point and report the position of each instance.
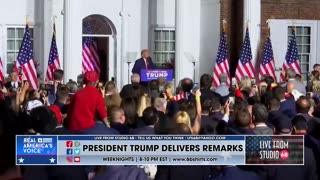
(76, 159)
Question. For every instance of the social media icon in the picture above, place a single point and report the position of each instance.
(39, 140)
(69, 159)
(76, 151)
(69, 143)
(69, 152)
(76, 144)
(77, 159)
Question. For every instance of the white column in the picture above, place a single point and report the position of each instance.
(187, 39)
(124, 47)
(252, 14)
(47, 33)
(72, 65)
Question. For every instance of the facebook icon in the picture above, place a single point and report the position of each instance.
(69, 151)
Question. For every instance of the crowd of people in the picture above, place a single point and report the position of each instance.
(90, 107)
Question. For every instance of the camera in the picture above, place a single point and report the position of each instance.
(45, 87)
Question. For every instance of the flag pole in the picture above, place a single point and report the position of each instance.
(224, 25)
(268, 28)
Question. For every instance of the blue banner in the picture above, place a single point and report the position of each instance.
(36, 149)
(152, 74)
(158, 150)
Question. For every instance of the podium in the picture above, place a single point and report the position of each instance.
(147, 75)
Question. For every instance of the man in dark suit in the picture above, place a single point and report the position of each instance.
(276, 118)
(13, 84)
(145, 62)
(150, 117)
(259, 117)
(287, 106)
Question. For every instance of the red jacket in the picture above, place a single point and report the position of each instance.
(83, 108)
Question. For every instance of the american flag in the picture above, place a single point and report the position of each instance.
(90, 61)
(245, 66)
(254, 146)
(267, 66)
(53, 62)
(222, 64)
(292, 58)
(1, 72)
(25, 60)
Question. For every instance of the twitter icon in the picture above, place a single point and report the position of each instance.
(76, 151)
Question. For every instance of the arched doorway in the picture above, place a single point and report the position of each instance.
(102, 33)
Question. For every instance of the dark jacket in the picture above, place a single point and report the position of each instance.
(122, 173)
(263, 130)
(182, 173)
(306, 172)
(208, 94)
(288, 107)
(278, 120)
(233, 172)
(145, 130)
(55, 172)
(100, 128)
(140, 64)
(121, 128)
(314, 145)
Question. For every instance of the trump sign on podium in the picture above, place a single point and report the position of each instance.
(152, 74)
(158, 150)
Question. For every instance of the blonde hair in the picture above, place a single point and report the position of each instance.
(245, 82)
(182, 117)
(143, 102)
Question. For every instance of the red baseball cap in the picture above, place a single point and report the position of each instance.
(91, 76)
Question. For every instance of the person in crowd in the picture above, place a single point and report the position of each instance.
(185, 93)
(33, 101)
(121, 173)
(316, 67)
(13, 84)
(241, 123)
(160, 104)
(55, 85)
(130, 108)
(275, 116)
(287, 106)
(205, 87)
(234, 172)
(154, 89)
(182, 172)
(259, 117)
(145, 62)
(60, 105)
(223, 88)
(118, 121)
(112, 97)
(299, 125)
(183, 117)
(72, 87)
(208, 123)
(150, 118)
(312, 141)
(143, 102)
(131, 90)
(216, 109)
(85, 104)
(291, 79)
(314, 76)
(303, 106)
(312, 106)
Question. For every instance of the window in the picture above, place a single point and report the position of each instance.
(164, 48)
(303, 35)
(14, 39)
